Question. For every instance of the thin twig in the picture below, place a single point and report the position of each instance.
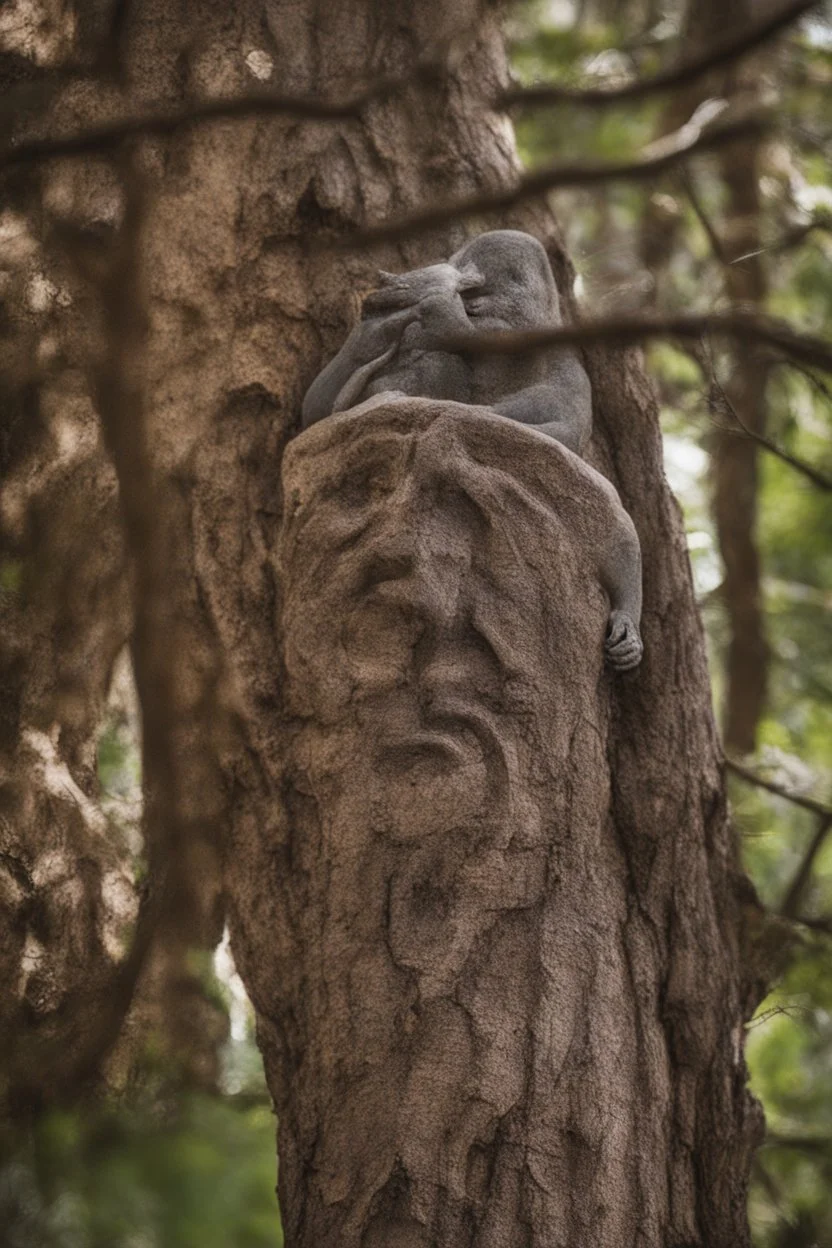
(813, 474)
(793, 238)
(822, 925)
(674, 150)
(797, 799)
(717, 245)
(722, 53)
(820, 386)
(794, 893)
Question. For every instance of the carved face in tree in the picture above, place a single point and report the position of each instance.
(443, 762)
(429, 563)
(425, 622)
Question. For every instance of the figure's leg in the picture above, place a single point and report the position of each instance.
(350, 393)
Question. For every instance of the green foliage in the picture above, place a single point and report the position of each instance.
(119, 762)
(11, 576)
(203, 1178)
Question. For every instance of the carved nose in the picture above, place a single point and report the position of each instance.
(406, 577)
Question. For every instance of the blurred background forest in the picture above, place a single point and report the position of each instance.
(748, 447)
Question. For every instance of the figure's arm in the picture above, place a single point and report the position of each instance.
(560, 407)
(370, 340)
(442, 316)
(350, 393)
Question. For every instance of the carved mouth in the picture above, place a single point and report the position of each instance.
(441, 750)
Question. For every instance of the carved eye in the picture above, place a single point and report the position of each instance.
(363, 483)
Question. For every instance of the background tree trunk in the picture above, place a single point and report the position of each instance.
(734, 456)
(739, 402)
(66, 890)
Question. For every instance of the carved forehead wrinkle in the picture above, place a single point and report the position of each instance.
(342, 451)
(448, 453)
(369, 450)
(503, 255)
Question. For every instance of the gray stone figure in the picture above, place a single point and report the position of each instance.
(405, 299)
(501, 280)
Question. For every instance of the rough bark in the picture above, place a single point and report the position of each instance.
(66, 890)
(741, 399)
(480, 1057)
(74, 964)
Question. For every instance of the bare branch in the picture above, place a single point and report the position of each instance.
(717, 245)
(167, 120)
(722, 53)
(793, 238)
(627, 330)
(794, 894)
(674, 150)
(800, 465)
(797, 799)
(822, 925)
(102, 1034)
(813, 474)
(820, 386)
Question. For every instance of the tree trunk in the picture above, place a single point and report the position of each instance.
(522, 1024)
(66, 889)
(734, 464)
(741, 402)
(472, 1033)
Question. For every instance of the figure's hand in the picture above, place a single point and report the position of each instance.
(388, 299)
(442, 316)
(377, 333)
(622, 647)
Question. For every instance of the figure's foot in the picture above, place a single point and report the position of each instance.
(622, 647)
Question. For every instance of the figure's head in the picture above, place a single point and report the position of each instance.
(517, 290)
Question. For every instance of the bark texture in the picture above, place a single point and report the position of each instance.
(468, 1066)
(67, 899)
(739, 400)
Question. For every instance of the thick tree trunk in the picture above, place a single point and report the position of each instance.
(468, 1041)
(66, 889)
(563, 1064)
